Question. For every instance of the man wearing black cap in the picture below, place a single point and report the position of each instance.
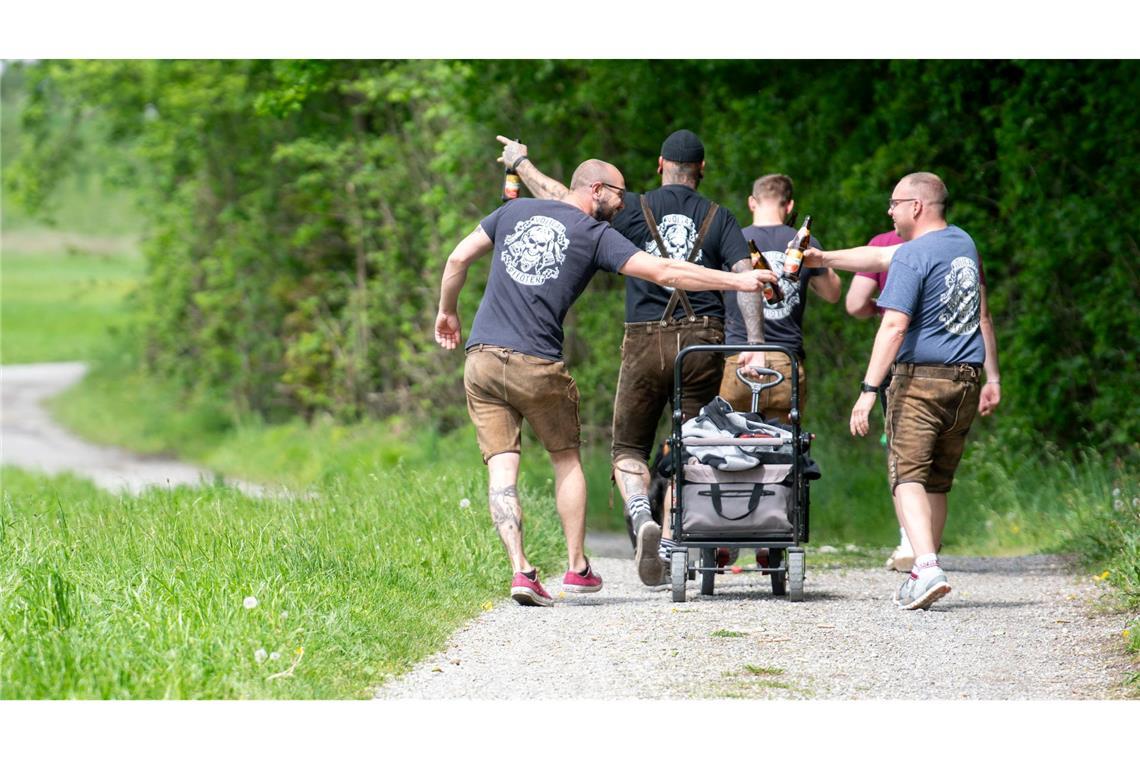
(660, 322)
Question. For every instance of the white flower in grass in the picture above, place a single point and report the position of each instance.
(284, 614)
(260, 656)
(1118, 505)
(1116, 492)
(249, 602)
(274, 655)
(464, 503)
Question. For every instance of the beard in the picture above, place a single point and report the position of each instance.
(605, 212)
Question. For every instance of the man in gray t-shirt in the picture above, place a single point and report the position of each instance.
(930, 342)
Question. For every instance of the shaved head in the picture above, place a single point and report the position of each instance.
(595, 170)
(928, 188)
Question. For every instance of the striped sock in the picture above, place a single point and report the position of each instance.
(664, 547)
(637, 503)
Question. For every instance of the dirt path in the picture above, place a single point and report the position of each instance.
(30, 439)
(1013, 628)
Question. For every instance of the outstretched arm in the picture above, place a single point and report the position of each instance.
(991, 391)
(448, 328)
(752, 310)
(681, 274)
(540, 185)
(865, 258)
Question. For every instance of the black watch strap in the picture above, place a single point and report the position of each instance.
(864, 388)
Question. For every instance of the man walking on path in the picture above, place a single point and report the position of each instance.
(545, 254)
(771, 202)
(676, 223)
(930, 344)
(861, 304)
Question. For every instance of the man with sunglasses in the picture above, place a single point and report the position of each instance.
(675, 222)
(546, 252)
(931, 344)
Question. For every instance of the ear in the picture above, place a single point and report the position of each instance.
(751, 204)
(791, 207)
(660, 165)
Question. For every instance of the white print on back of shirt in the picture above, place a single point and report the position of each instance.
(534, 250)
(962, 300)
(790, 288)
(678, 233)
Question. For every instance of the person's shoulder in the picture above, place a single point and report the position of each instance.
(884, 239)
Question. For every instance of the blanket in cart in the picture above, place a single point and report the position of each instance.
(718, 421)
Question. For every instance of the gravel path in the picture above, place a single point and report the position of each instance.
(1013, 628)
(30, 439)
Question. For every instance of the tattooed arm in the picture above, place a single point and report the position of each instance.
(540, 185)
(752, 309)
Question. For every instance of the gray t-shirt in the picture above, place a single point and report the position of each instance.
(545, 254)
(935, 279)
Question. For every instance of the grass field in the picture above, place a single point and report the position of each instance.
(153, 597)
(57, 306)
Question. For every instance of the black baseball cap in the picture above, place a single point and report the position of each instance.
(684, 147)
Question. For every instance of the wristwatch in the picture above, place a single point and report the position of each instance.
(864, 388)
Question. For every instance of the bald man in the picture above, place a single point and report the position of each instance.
(546, 251)
(930, 342)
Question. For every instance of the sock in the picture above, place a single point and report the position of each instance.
(664, 547)
(926, 566)
(638, 503)
(532, 574)
(904, 542)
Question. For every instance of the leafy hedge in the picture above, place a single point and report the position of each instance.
(300, 211)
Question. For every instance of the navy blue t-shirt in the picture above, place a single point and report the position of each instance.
(545, 254)
(935, 279)
(784, 322)
(679, 211)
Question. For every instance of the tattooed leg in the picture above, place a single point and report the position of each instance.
(506, 512)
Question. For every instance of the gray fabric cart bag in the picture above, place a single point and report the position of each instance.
(723, 504)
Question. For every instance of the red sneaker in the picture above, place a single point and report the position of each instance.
(575, 583)
(529, 593)
(762, 556)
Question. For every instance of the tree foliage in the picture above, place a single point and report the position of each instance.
(300, 211)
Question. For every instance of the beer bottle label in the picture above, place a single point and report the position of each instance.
(510, 187)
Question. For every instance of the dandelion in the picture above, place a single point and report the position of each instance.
(464, 503)
(249, 602)
(1103, 576)
(299, 651)
(274, 655)
(1118, 505)
(284, 614)
(1126, 633)
(1115, 492)
(488, 605)
(260, 656)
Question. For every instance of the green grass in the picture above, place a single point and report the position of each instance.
(62, 307)
(108, 597)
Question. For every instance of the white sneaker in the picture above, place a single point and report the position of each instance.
(901, 560)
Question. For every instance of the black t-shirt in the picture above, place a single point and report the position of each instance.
(545, 254)
(784, 322)
(679, 211)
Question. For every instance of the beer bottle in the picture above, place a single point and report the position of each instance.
(794, 255)
(511, 184)
(772, 292)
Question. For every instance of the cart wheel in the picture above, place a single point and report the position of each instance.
(708, 577)
(780, 577)
(796, 575)
(678, 566)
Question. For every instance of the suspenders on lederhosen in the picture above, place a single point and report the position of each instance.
(678, 294)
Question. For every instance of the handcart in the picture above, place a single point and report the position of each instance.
(760, 506)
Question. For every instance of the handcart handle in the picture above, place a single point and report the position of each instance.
(757, 386)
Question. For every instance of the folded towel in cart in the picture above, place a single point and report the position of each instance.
(718, 420)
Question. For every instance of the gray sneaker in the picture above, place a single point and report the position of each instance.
(915, 594)
(649, 567)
